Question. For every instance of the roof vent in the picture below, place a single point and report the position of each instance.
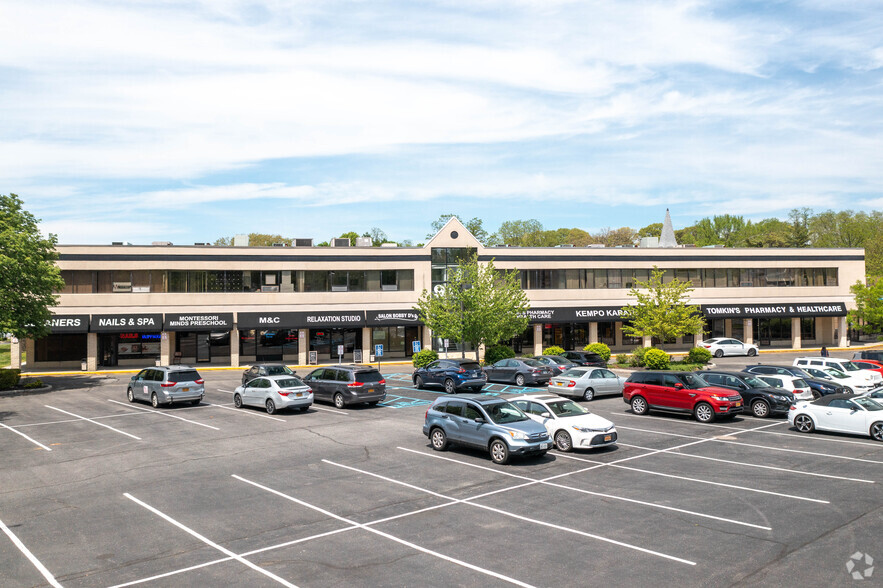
(160, 243)
(342, 242)
(363, 241)
(303, 242)
(389, 244)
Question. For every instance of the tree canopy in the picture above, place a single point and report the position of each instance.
(661, 310)
(29, 277)
(869, 306)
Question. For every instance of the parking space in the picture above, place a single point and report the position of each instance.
(101, 492)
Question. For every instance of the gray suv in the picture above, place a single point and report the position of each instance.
(347, 384)
(166, 385)
(485, 422)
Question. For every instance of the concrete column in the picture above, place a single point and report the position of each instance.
(697, 337)
(234, 347)
(617, 334)
(748, 330)
(842, 339)
(593, 332)
(796, 342)
(15, 354)
(647, 341)
(480, 353)
(728, 327)
(538, 339)
(166, 348)
(367, 343)
(30, 353)
(303, 345)
(92, 351)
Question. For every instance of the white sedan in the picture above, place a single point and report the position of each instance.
(274, 393)
(721, 346)
(841, 413)
(586, 383)
(569, 424)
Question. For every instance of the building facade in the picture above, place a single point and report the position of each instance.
(127, 306)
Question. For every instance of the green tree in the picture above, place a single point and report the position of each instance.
(377, 236)
(661, 310)
(616, 237)
(770, 232)
(723, 229)
(474, 226)
(653, 230)
(799, 233)
(29, 277)
(519, 233)
(352, 236)
(478, 305)
(844, 228)
(868, 305)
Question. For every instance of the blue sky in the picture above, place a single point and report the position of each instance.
(190, 120)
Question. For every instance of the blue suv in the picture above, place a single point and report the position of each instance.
(485, 422)
(453, 375)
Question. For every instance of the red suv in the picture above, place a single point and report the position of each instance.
(684, 392)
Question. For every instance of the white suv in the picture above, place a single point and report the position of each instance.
(871, 379)
(796, 386)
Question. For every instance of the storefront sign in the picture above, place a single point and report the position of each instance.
(779, 309)
(69, 323)
(125, 323)
(379, 318)
(320, 319)
(199, 322)
(267, 320)
(579, 314)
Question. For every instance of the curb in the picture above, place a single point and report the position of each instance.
(24, 391)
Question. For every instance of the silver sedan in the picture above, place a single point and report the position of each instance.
(586, 383)
(274, 393)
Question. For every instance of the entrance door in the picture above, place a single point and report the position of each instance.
(107, 349)
(269, 346)
(203, 348)
(411, 334)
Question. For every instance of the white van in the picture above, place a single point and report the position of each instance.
(871, 379)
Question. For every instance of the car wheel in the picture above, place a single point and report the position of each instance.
(719, 353)
(438, 439)
(639, 405)
(338, 401)
(752, 352)
(877, 431)
(237, 401)
(588, 394)
(519, 380)
(563, 441)
(760, 409)
(130, 394)
(154, 400)
(450, 387)
(499, 451)
(271, 406)
(804, 423)
(703, 412)
(418, 381)
(196, 402)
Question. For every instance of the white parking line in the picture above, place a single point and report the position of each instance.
(210, 543)
(25, 436)
(107, 416)
(246, 412)
(513, 515)
(94, 422)
(171, 416)
(388, 536)
(23, 548)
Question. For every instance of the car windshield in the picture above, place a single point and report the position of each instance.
(755, 382)
(561, 360)
(868, 403)
(290, 383)
(504, 412)
(820, 374)
(693, 381)
(849, 366)
(278, 370)
(798, 383)
(532, 363)
(838, 374)
(796, 371)
(574, 373)
(566, 408)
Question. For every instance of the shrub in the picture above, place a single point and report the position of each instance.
(657, 359)
(637, 359)
(699, 355)
(599, 348)
(495, 353)
(423, 358)
(9, 378)
(554, 350)
(623, 359)
(33, 384)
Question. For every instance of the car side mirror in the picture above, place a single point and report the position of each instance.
(479, 420)
(679, 386)
(135, 377)
(546, 415)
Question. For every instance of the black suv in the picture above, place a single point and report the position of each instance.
(819, 387)
(347, 384)
(763, 399)
(453, 375)
(585, 358)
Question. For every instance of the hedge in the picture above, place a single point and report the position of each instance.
(657, 359)
(9, 378)
(600, 348)
(699, 355)
(495, 353)
(423, 358)
(554, 350)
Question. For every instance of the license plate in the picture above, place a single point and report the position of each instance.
(185, 389)
(738, 404)
(608, 437)
(545, 445)
(559, 383)
(299, 394)
(370, 390)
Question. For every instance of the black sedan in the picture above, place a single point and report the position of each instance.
(266, 369)
(761, 398)
(585, 358)
(819, 387)
(519, 372)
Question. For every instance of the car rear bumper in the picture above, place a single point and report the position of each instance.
(361, 397)
(292, 401)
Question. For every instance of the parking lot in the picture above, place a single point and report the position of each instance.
(100, 492)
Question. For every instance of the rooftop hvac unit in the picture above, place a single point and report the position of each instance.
(303, 242)
(564, 245)
(596, 246)
(240, 241)
(389, 244)
(363, 241)
(160, 243)
(340, 242)
(202, 244)
(278, 244)
(649, 242)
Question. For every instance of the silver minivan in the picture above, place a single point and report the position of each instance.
(167, 385)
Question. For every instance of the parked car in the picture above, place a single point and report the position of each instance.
(873, 354)
(453, 375)
(819, 386)
(721, 346)
(796, 386)
(872, 379)
(841, 413)
(568, 424)
(274, 393)
(850, 383)
(556, 362)
(584, 358)
(586, 383)
(485, 422)
(347, 384)
(762, 399)
(166, 384)
(683, 392)
(519, 372)
(267, 369)
(876, 395)
(869, 364)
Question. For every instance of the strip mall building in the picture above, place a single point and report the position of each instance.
(131, 305)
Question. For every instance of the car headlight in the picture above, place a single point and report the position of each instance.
(721, 398)
(518, 435)
(779, 397)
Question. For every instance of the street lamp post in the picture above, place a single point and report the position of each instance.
(463, 287)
